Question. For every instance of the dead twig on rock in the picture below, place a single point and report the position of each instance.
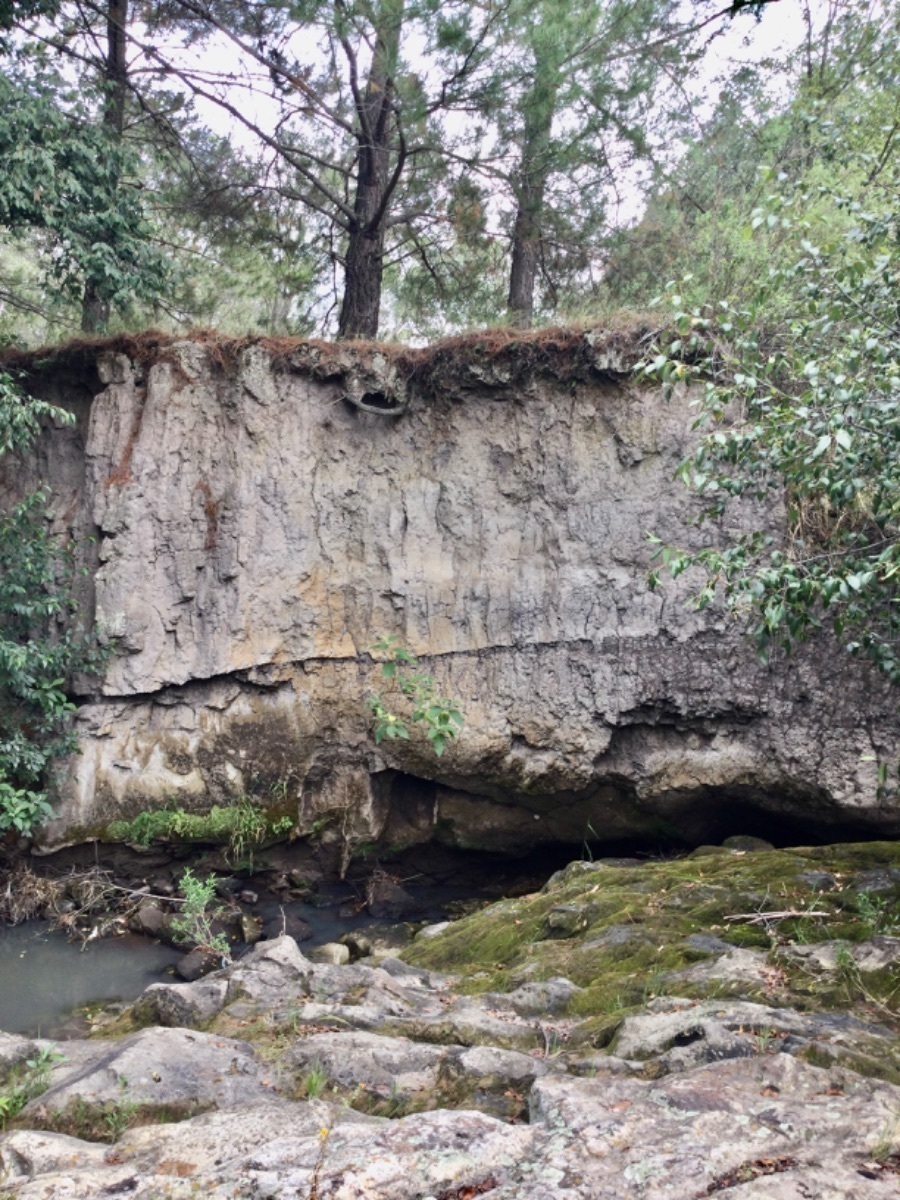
(764, 918)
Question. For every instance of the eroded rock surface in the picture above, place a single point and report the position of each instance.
(257, 533)
(396, 1109)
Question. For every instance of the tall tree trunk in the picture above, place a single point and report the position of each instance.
(364, 262)
(379, 141)
(95, 307)
(530, 187)
(526, 241)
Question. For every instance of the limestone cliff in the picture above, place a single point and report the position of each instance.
(256, 529)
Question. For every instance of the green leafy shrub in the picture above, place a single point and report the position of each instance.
(441, 718)
(194, 925)
(241, 827)
(807, 411)
(41, 644)
(27, 1082)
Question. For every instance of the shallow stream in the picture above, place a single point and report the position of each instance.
(44, 978)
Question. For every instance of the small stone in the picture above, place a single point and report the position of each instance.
(612, 937)
(249, 897)
(14, 1050)
(333, 953)
(387, 900)
(287, 923)
(708, 943)
(747, 843)
(876, 954)
(198, 963)
(251, 928)
(654, 1069)
(817, 881)
(181, 1004)
(879, 880)
(358, 945)
(568, 919)
(149, 920)
(432, 931)
(539, 999)
(575, 870)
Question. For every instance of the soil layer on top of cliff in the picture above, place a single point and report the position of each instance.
(498, 356)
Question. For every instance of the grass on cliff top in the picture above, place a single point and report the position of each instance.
(621, 932)
(557, 348)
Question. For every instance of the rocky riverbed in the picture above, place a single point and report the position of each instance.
(721, 1023)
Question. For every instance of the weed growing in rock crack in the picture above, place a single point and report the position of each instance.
(807, 929)
(118, 1115)
(857, 986)
(395, 1102)
(314, 1082)
(27, 1082)
(877, 914)
(194, 924)
(103, 1122)
(441, 718)
(765, 1037)
(241, 827)
(653, 985)
(314, 1193)
(587, 855)
(887, 1141)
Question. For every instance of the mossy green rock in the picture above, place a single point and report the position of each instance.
(710, 926)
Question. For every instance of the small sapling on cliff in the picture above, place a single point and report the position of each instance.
(442, 719)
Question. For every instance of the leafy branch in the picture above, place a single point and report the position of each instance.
(807, 414)
(441, 718)
(41, 646)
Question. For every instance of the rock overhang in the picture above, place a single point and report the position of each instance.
(256, 532)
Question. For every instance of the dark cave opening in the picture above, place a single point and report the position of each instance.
(604, 823)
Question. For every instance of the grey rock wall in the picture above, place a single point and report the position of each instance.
(255, 534)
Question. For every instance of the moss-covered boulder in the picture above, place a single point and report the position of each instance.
(808, 929)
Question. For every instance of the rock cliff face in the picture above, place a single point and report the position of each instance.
(256, 530)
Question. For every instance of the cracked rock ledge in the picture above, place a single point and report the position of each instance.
(754, 1072)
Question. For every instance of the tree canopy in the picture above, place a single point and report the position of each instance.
(382, 156)
(800, 370)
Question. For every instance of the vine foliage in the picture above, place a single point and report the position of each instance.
(805, 411)
(440, 718)
(41, 644)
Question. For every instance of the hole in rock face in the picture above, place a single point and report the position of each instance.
(687, 1037)
(380, 401)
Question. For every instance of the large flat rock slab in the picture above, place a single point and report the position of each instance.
(682, 1137)
(176, 1071)
(773, 1126)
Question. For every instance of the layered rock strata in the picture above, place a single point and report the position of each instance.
(256, 530)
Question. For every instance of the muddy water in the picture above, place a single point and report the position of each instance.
(44, 978)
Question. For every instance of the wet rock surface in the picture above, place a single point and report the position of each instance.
(543, 1065)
